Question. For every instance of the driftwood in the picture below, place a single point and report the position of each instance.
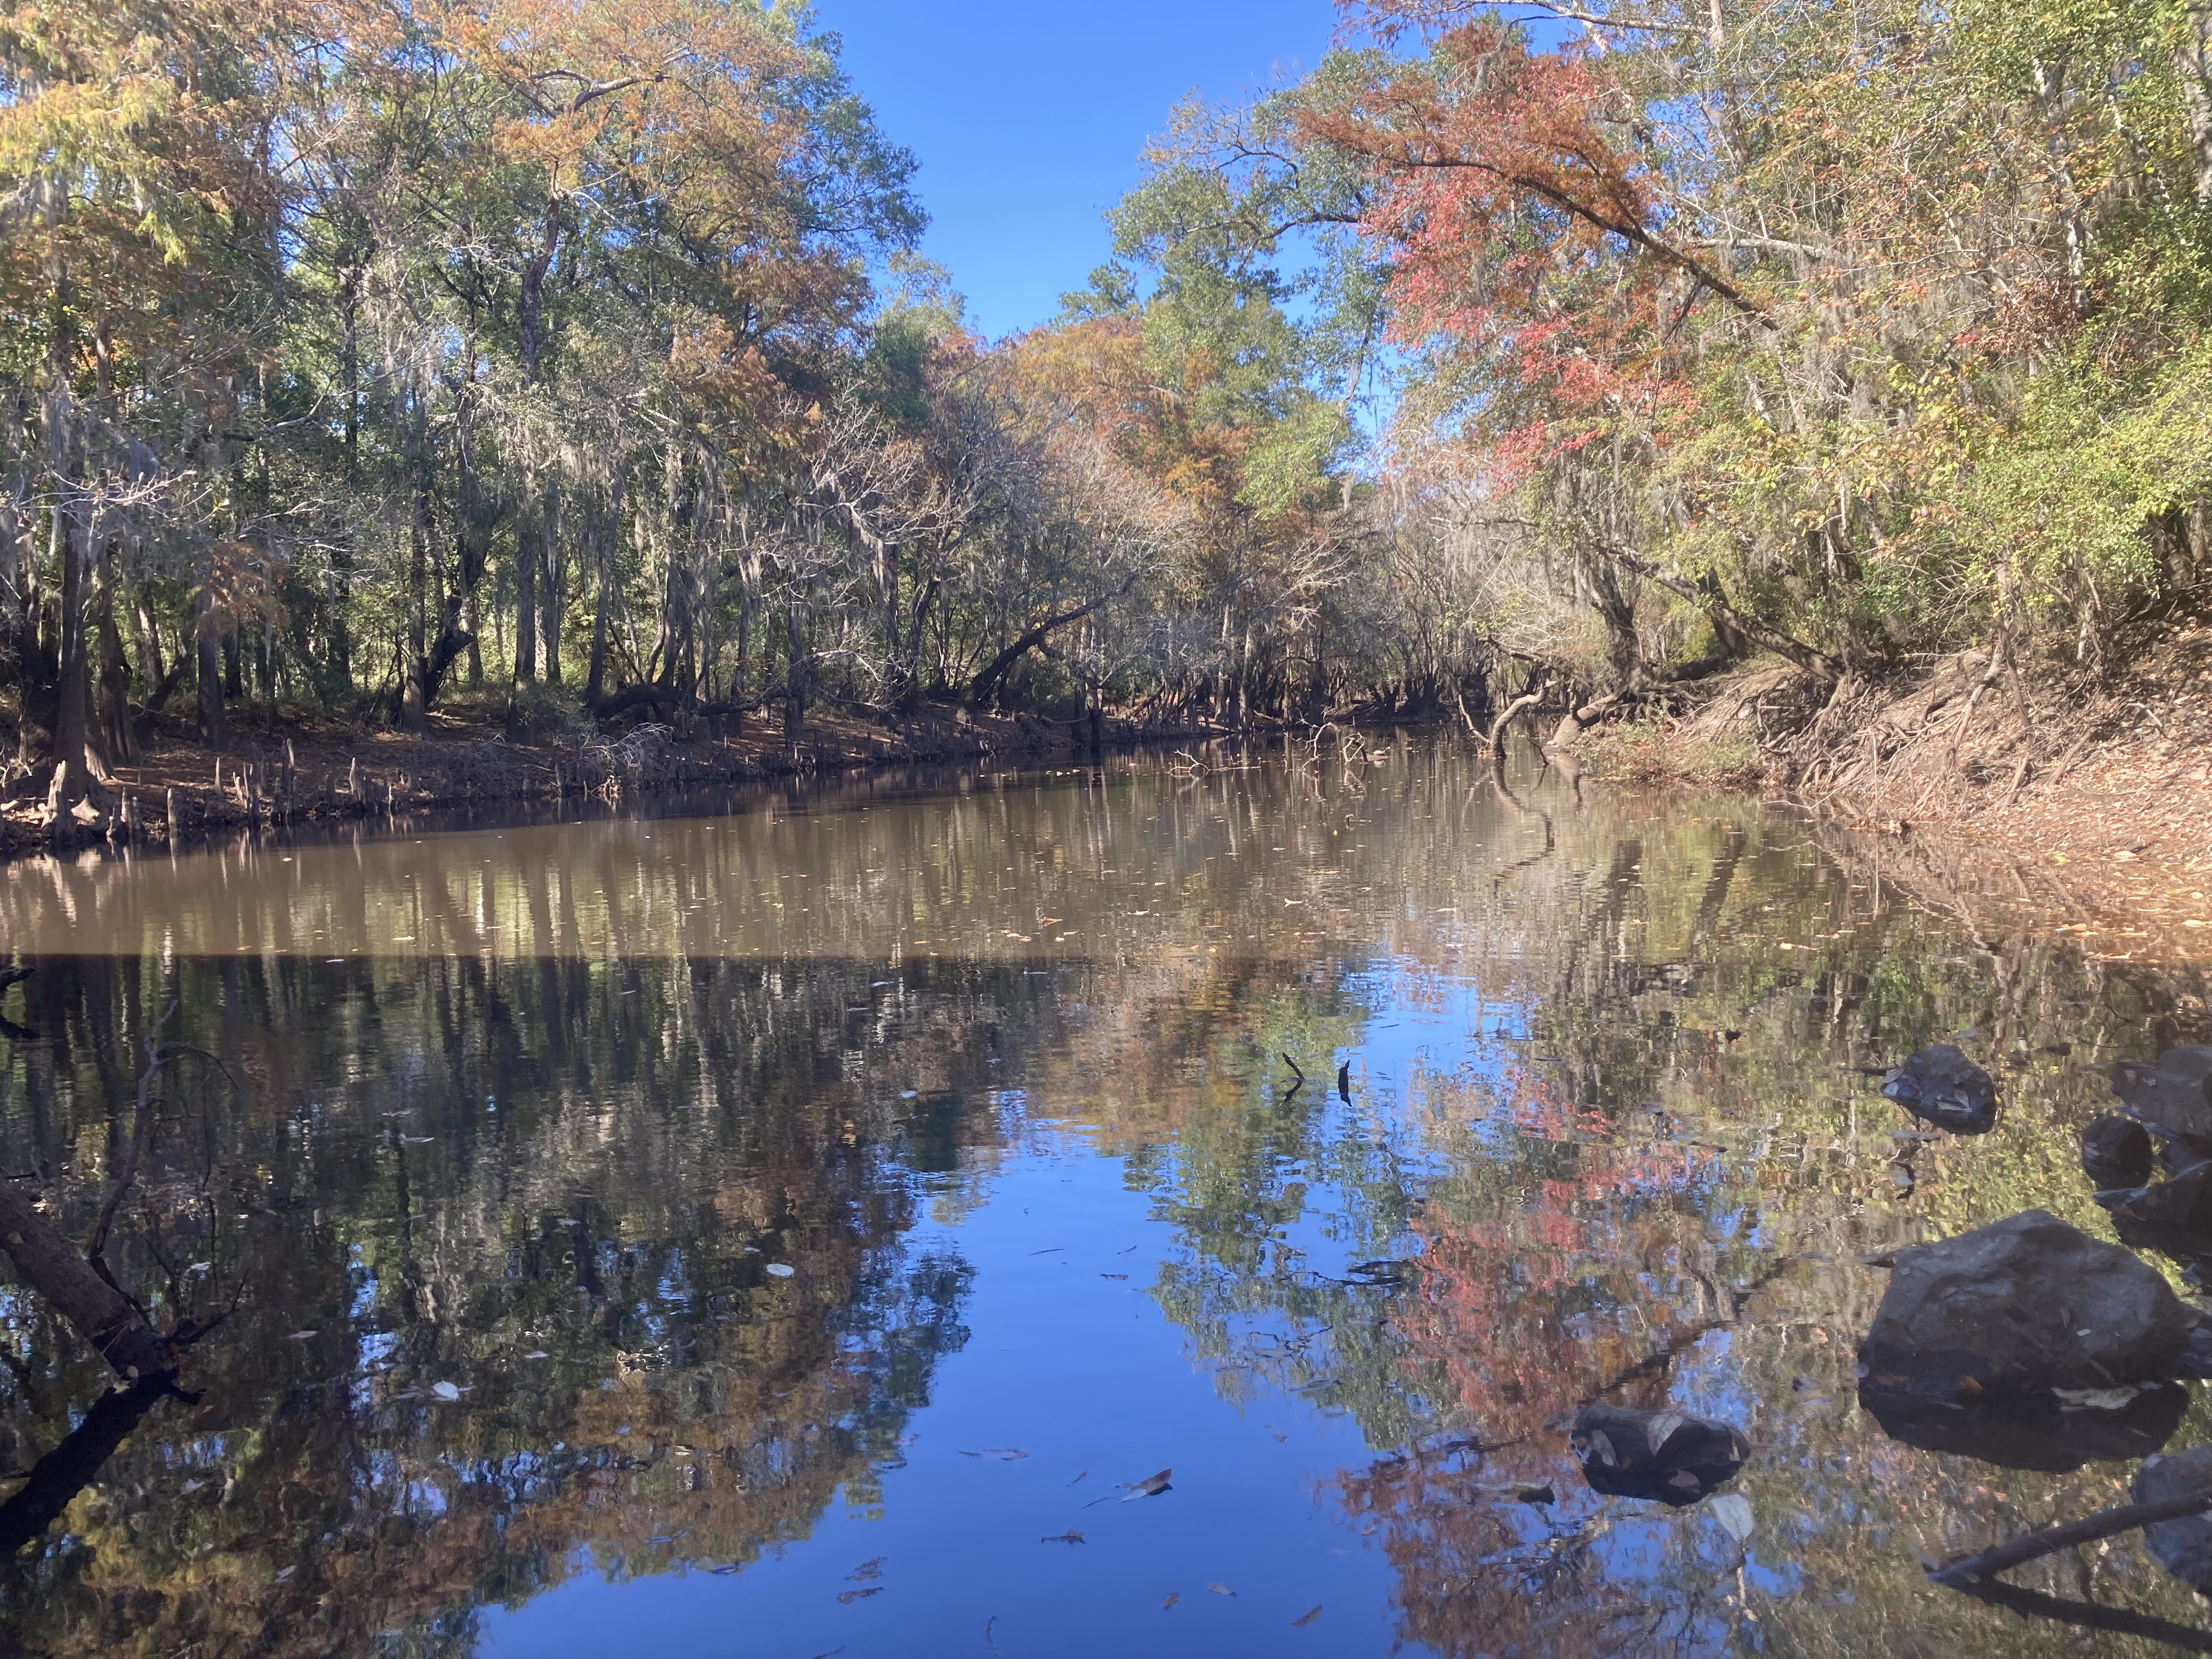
(2088, 1615)
(1508, 714)
(57, 1270)
(2105, 1523)
(65, 1470)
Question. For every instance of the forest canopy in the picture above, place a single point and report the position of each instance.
(574, 361)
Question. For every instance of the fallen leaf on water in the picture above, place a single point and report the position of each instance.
(868, 1570)
(2095, 1400)
(1004, 1453)
(1300, 1624)
(726, 1569)
(1150, 1486)
(301, 1336)
(282, 1573)
(1174, 1597)
(199, 1267)
(1221, 1589)
(1732, 1511)
(1079, 1477)
(535, 1354)
(779, 1270)
(1070, 1536)
(1113, 1275)
(1282, 1436)
(417, 1140)
(846, 1598)
(446, 1391)
(192, 1486)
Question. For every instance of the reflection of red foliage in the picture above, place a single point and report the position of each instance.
(1580, 1278)
(1529, 1312)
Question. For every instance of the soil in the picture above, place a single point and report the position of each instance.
(305, 771)
(2097, 806)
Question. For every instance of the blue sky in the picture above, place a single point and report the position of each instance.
(1027, 118)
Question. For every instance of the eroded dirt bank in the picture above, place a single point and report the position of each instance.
(2093, 806)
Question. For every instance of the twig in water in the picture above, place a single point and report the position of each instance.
(2034, 1545)
(2034, 1604)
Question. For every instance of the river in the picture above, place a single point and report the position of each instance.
(815, 1227)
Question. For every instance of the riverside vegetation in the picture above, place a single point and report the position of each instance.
(563, 366)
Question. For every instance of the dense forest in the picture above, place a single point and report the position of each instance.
(567, 362)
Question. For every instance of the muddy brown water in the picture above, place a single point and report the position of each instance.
(811, 1228)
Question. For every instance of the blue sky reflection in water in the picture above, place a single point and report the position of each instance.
(531, 1113)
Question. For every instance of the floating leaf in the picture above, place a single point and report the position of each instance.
(1174, 1597)
(867, 1570)
(2095, 1400)
(846, 1598)
(1004, 1453)
(1732, 1511)
(1079, 1478)
(1150, 1486)
(536, 1354)
(779, 1270)
(446, 1391)
(1300, 1624)
(1113, 1275)
(1221, 1589)
(1070, 1536)
(299, 1336)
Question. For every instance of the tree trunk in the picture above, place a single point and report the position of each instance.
(794, 693)
(77, 759)
(603, 545)
(207, 659)
(525, 599)
(58, 1271)
(120, 741)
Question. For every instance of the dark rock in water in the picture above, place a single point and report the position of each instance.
(2172, 1095)
(2116, 1152)
(2174, 1216)
(1668, 1456)
(2036, 1432)
(2021, 1306)
(2183, 1547)
(1940, 1085)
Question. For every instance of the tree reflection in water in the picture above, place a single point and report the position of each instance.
(541, 1128)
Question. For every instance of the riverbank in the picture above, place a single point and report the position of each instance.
(2092, 804)
(304, 772)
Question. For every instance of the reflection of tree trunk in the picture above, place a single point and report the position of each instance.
(1715, 896)
(57, 1270)
(69, 1467)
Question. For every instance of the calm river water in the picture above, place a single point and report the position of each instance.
(808, 1229)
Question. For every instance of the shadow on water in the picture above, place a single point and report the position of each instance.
(614, 1203)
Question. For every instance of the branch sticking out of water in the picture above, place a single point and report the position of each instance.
(1295, 1072)
(2105, 1523)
